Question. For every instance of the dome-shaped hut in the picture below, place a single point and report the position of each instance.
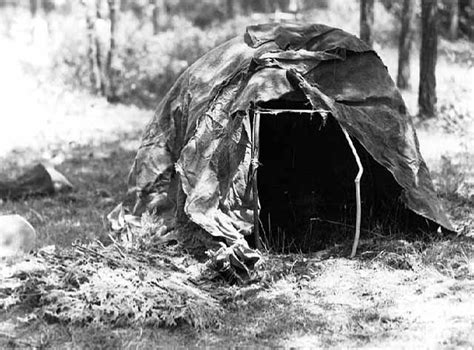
(280, 98)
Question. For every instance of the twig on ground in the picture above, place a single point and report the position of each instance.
(117, 246)
(378, 234)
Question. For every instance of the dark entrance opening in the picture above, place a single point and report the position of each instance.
(306, 185)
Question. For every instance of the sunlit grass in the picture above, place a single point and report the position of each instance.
(394, 294)
(99, 177)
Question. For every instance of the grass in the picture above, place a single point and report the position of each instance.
(388, 297)
(395, 294)
(100, 183)
(318, 300)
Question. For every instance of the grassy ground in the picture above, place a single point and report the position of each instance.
(394, 294)
(99, 176)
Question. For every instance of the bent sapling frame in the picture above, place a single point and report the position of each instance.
(357, 189)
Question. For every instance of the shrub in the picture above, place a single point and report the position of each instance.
(147, 64)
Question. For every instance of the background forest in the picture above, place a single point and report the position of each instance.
(132, 50)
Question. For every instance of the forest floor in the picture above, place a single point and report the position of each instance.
(395, 293)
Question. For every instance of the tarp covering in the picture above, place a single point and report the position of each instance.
(194, 160)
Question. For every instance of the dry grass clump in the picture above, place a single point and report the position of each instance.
(323, 298)
(396, 254)
(453, 258)
(110, 286)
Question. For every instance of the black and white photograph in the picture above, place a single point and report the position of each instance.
(227, 174)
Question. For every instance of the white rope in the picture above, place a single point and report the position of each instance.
(357, 188)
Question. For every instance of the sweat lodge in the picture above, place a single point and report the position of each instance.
(270, 133)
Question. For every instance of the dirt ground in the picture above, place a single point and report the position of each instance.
(394, 294)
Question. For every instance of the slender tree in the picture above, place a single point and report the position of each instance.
(428, 57)
(246, 7)
(267, 6)
(404, 44)
(453, 19)
(230, 9)
(470, 17)
(367, 21)
(35, 5)
(156, 16)
(98, 47)
(111, 71)
(35, 9)
(94, 72)
(123, 5)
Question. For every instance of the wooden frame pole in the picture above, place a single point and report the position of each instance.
(357, 189)
(254, 164)
(255, 113)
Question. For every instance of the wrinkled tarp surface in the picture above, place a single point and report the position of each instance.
(194, 159)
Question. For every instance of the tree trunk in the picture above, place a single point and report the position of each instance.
(156, 16)
(470, 17)
(367, 21)
(98, 48)
(111, 71)
(123, 5)
(246, 7)
(454, 19)
(428, 57)
(35, 6)
(230, 10)
(404, 44)
(94, 73)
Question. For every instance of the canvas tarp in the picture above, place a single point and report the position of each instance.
(194, 160)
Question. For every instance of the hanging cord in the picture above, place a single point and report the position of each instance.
(357, 189)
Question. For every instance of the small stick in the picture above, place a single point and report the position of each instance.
(357, 188)
(378, 234)
(116, 246)
(269, 223)
(264, 241)
(255, 153)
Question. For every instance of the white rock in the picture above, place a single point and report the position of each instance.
(16, 235)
